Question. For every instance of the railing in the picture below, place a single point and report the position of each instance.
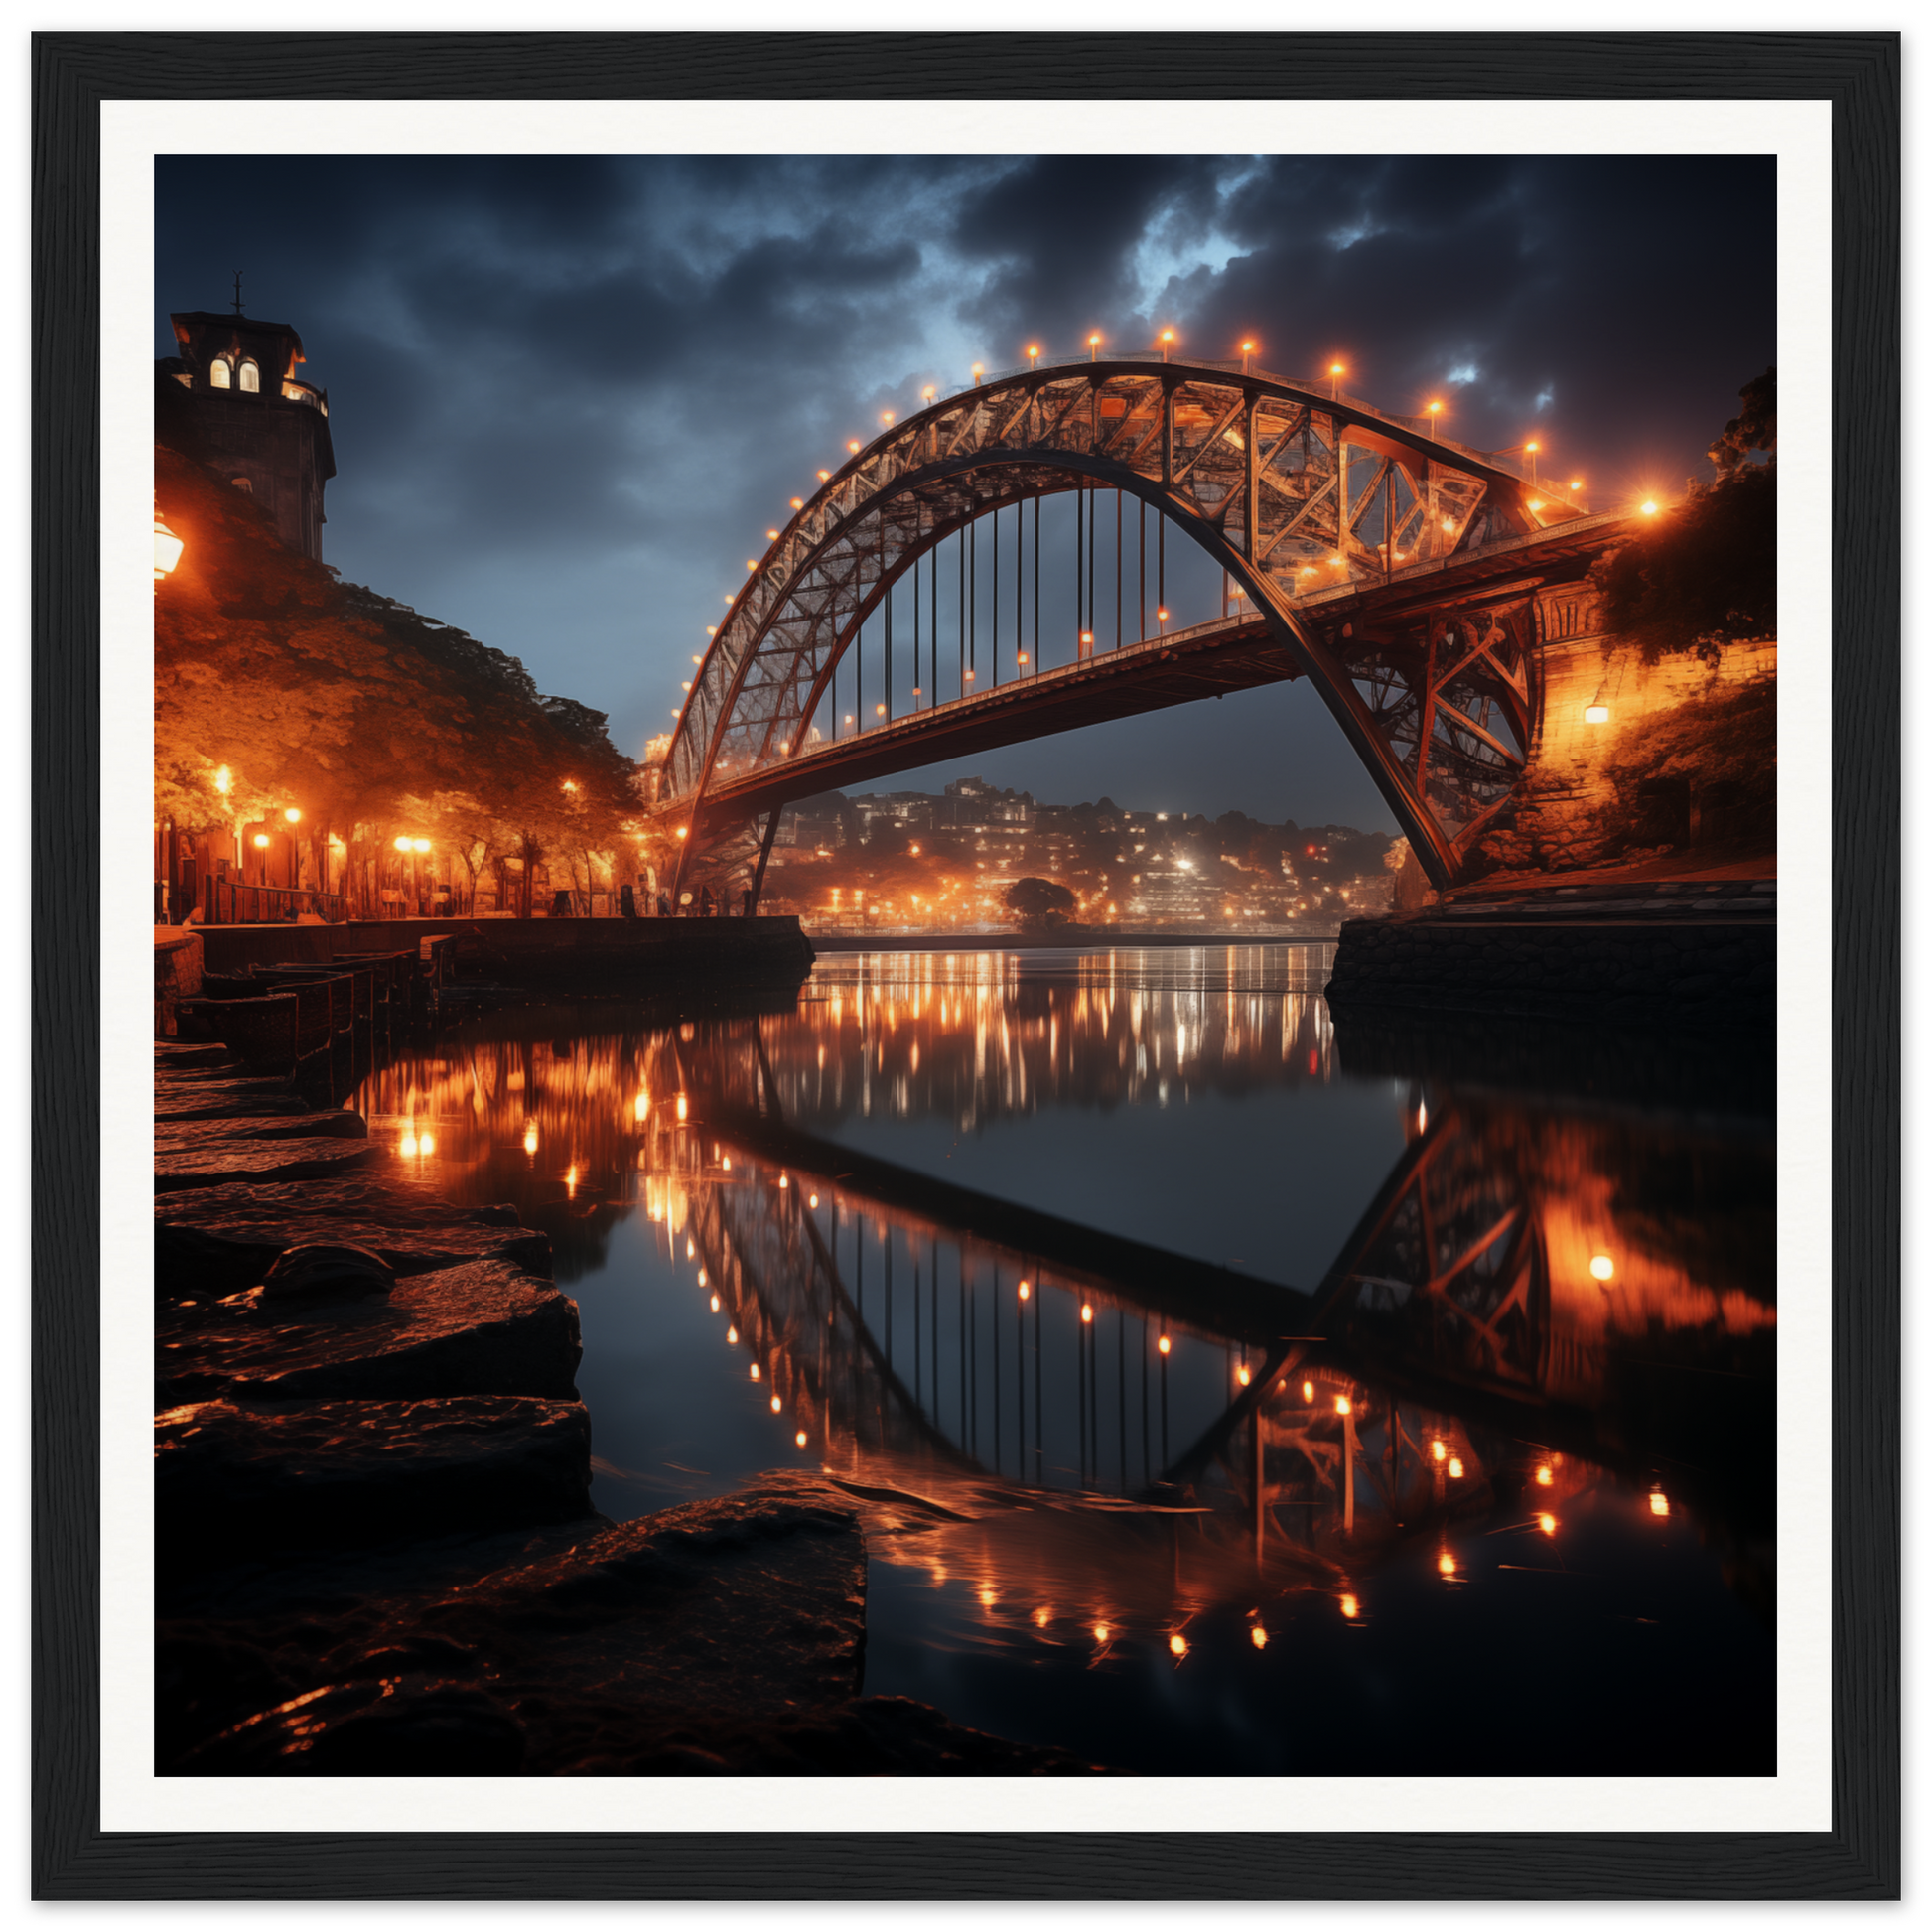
(227, 901)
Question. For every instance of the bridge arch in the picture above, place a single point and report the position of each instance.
(1297, 495)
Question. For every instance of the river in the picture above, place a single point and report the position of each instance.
(1227, 1393)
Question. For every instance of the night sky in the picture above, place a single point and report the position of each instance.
(569, 395)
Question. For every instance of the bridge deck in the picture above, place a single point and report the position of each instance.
(1205, 660)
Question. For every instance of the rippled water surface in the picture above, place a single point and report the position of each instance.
(1224, 1392)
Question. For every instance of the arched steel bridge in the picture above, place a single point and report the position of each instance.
(1362, 540)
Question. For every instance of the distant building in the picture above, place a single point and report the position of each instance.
(256, 422)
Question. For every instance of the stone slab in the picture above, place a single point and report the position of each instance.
(174, 1135)
(227, 1160)
(213, 1098)
(485, 1329)
(718, 1637)
(301, 1474)
(217, 1241)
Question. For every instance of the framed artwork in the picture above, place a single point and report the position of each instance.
(1788, 1789)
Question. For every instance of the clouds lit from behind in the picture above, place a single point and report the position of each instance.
(569, 395)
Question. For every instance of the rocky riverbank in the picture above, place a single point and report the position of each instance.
(377, 1548)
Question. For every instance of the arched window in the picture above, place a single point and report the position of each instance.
(251, 380)
(218, 374)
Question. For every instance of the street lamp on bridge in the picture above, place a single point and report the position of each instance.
(1093, 345)
(1167, 342)
(1247, 350)
(1032, 356)
(1336, 374)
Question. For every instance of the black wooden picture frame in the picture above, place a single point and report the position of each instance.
(1860, 1856)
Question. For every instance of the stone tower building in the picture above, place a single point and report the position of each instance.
(255, 420)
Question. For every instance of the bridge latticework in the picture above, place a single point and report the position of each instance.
(1297, 495)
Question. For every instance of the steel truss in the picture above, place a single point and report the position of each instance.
(1294, 494)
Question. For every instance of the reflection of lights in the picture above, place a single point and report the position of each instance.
(1086, 1314)
(784, 1181)
(778, 1403)
(683, 1108)
(730, 1335)
(1545, 1476)
(408, 1143)
(799, 1439)
(813, 1202)
(640, 1107)
(704, 1280)
(1446, 1563)
(1043, 1618)
(1437, 1450)
(1350, 1609)
(530, 1138)
(1547, 1524)
(755, 1372)
(1166, 1344)
(690, 1250)
(715, 1304)
(1455, 1468)
(1343, 1406)
(1659, 1503)
(1177, 1644)
(1101, 1633)
(987, 1598)
(1025, 1289)
(1258, 1636)
(1601, 1266)
(427, 1143)
(1308, 1391)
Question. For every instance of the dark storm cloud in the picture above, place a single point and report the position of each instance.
(570, 394)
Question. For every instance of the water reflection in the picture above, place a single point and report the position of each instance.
(1532, 1385)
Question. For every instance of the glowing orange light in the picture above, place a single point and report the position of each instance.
(778, 1403)
(1086, 1311)
(1437, 1450)
(1344, 1406)
(704, 1280)
(1532, 447)
(293, 816)
(1597, 714)
(683, 1107)
(1659, 1503)
(713, 1304)
(824, 475)
(683, 831)
(1455, 1468)
(530, 1138)
(813, 1202)
(784, 1181)
(1166, 1345)
(928, 392)
(1649, 509)
(1446, 1563)
(1349, 1607)
(1258, 1636)
(1025, 1290)
(1308, 1391)
(1601, 1267)
(1101, 1633)
(407, 1144)
(1177, 1644)
(853, 446)
(261, 842)
(887, 419)
(1547, 1524)
(798, 502)
(1161, 613)
(755, 1372)
(800, 1439)
(986, 1596)
(1242, 1376)
(1435, 408)
(224, 781)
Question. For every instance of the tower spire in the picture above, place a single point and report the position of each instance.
(237, 291)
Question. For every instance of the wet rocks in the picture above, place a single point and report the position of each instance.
(326, 1271)
(722, 1637)
(212, 1162)
(302, 1475)
(484, 1329)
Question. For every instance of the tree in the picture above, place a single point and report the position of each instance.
(1707, 576)
(1039, 902)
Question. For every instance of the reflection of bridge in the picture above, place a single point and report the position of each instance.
(1489, 1280)
(981, 1363)
(1409, 578)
